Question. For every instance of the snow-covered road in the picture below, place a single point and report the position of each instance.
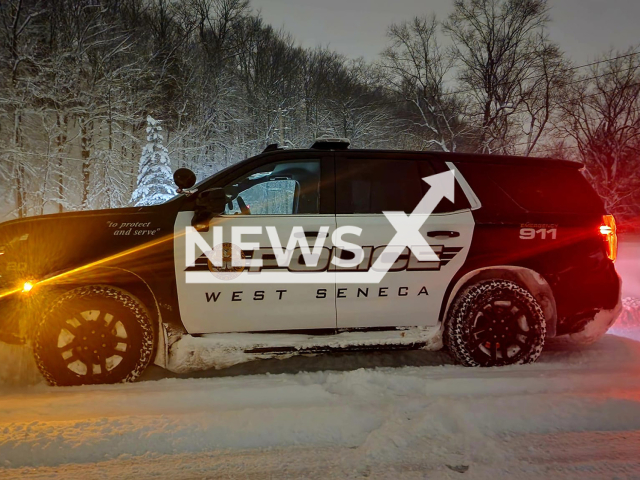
(574, 414)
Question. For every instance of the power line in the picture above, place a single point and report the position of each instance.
(535, 77)
(544, 148)
(395, 102)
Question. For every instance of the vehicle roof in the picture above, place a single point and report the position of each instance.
(511, 160)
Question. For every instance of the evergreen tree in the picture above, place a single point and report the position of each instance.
(155, 179)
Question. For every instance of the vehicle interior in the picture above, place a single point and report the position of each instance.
(287, 188)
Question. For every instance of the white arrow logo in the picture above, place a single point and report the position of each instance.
(407, 236)
(408, 227)
(408, 231)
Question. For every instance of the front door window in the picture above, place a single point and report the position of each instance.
(287, 188)
(281, 196)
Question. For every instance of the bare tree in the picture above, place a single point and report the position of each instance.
(78, 79)
(542, 95)
(499, 44)
(602, 119)
(352, 106)
(416, 69)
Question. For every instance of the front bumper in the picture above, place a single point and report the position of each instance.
(20, 314)
(14, 312)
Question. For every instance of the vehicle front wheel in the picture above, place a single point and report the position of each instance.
(495, 323)
(94, 334)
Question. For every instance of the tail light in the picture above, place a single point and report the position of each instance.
(608, 232)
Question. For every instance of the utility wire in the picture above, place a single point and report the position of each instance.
(535, 77)
(396, 102)
(542, 148)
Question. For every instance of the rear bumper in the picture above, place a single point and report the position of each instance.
(585, 285)
(596, 326)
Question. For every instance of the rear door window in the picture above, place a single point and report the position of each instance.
(368, 186)
(460, 200)
(377, 185)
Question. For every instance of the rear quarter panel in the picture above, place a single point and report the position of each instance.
(565, 247)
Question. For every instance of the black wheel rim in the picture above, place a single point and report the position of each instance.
(502, 331)
(93, 343)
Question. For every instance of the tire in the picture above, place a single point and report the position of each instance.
(92, 335)
(484, 314)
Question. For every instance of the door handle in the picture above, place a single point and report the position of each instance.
(443, 234)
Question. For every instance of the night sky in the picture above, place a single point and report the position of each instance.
(583, 28)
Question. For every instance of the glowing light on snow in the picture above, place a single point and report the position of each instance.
(61, 276)
(102, 261)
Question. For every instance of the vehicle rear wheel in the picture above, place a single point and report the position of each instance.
(495, 323)
(94, 334)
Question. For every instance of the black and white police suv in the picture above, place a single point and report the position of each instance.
(280, 255)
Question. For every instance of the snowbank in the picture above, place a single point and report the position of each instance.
(628, 324)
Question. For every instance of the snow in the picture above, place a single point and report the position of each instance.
(573, 414)
(628, 264)
(223, 350)
(339, 422)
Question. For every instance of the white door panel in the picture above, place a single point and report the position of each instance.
(219, 307)
(412, 295)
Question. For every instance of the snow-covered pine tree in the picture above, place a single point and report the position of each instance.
(155, 179)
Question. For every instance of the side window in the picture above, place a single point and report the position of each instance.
(374, 186)
(279, 188)
(545, 189)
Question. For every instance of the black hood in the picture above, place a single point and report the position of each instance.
(40, 246)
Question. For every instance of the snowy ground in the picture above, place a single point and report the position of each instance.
(628, 265)
(574, 414)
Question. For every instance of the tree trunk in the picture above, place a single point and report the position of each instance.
(17, 139)
(134, 162)
(86, 153)
(61, 142)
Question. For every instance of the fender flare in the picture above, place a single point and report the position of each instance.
(525, 277)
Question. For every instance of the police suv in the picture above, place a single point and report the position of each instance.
(309, 251)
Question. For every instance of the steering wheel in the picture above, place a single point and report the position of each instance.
(244, 210)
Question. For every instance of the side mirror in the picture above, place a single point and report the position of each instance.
(209, 203)
(184, 178)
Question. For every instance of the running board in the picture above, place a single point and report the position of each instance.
(222, 350)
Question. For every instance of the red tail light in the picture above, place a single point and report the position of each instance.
(608, 231)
